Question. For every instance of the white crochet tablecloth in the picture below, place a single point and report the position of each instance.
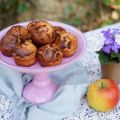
(91, 62)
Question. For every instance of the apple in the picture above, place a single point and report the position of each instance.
(103, 95)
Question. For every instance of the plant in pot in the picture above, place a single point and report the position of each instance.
(109, 54)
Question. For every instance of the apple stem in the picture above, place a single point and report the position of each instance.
(103, 85)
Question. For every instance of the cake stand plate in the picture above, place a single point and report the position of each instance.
(41, 89)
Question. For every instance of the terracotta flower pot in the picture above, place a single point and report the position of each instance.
(111, 71)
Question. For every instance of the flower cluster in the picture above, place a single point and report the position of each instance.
(111, 40)
(110, 53)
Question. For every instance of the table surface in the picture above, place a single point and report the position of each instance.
(91, 62)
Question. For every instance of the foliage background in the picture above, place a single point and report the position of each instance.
(83, 14)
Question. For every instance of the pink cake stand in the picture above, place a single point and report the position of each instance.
(42, 88)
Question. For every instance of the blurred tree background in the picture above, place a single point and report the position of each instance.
(83, 14)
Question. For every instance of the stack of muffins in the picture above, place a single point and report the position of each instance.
(39, 41)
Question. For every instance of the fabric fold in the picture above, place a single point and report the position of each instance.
(72, 81)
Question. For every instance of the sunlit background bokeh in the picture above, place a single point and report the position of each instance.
(83, 14)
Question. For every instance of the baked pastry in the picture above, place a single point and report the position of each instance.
(68, 43)
(41, 32)
(31, 26)
(54, 43)
(8, 43)
(56, 33)
(20, 32)
(25, 54)
(49, 55)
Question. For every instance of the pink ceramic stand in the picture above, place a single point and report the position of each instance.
(42, 88)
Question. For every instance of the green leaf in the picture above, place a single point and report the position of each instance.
(12, 2)
(117, 2)
(88, 1)
(118, 57)
(78, 1)
(88, 14)
(65, 21)
(106, 2)
(113, 55)
(23, 7)
(69, 9)
(107, 22)
(109, 58)
(75, 21)
(104, 58)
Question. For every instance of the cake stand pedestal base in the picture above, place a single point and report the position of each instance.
(40, 90)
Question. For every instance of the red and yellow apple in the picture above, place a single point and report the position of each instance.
(103, 95)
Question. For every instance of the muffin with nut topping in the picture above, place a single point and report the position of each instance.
(25, 54)
(68, 43)
(41, 32)
(8, 43)
(56, 33)
(49, 55)
(20, 32)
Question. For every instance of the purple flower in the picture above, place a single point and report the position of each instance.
(107, 49)
(115, 49)
(110, 43)
(109, 37)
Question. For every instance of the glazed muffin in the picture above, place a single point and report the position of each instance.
(41, 32)
(20, 32)
(56, 33)
(49, 55)
(68, 43)
(25, 54)
(8, 43)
